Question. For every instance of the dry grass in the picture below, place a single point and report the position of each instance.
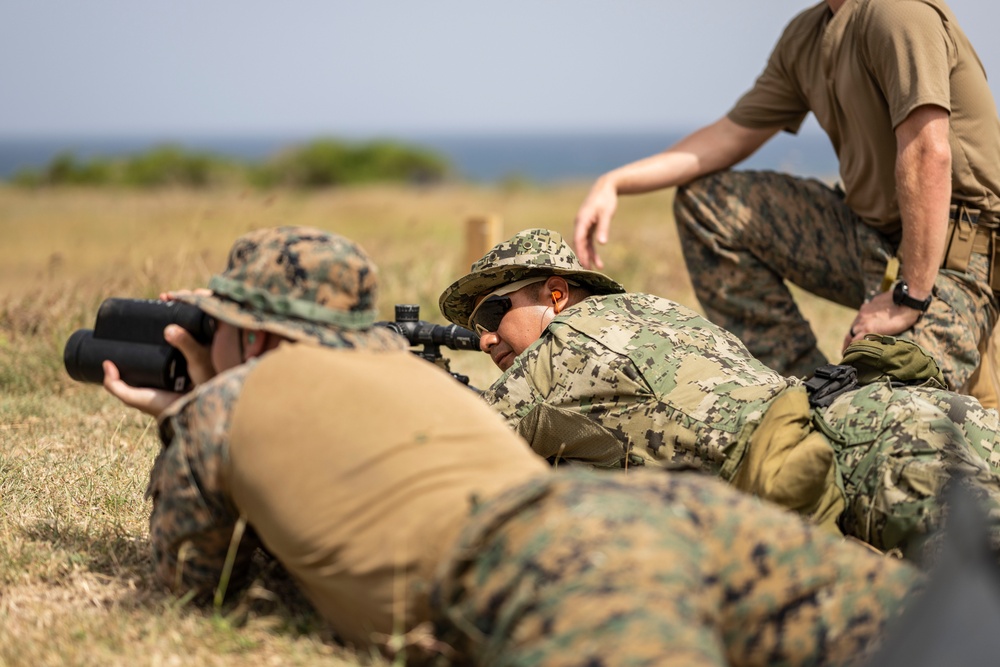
(75, 579)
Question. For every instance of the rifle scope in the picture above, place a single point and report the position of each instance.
(409, 325)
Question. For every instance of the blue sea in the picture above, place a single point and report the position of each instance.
(538, 157)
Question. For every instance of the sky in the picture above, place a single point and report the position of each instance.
(389, 67)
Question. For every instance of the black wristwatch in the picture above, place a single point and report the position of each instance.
(901, 297)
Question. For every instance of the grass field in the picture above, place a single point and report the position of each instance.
(75, 576)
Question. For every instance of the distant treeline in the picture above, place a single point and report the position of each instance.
(318, 164)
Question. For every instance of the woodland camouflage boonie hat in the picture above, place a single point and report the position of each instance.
(533, 252)
(302, 283)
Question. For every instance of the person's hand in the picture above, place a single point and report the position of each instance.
(198, 356)
(151, 401)
(593, 221)
(880, 316)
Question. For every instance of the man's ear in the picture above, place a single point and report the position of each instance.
(254, 343)
(558, 293)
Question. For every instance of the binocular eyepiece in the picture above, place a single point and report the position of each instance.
(129, 333)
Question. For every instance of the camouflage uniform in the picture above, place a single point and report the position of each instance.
(744, 233)
(564, 567)
(658, 569)
(305, 284)
(193, 518)
(645, 378)
(359, 509)
(622, 380)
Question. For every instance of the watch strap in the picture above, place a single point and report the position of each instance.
(901, 297)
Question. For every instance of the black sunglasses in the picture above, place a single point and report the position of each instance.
(487, 315)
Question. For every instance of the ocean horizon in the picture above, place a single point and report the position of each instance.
(542, 157)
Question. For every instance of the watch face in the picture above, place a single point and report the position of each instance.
(899, 293)
(901, 297)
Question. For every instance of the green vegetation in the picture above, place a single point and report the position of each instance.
(319, 164)
(328, 162)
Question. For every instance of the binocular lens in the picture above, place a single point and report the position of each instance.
(140, 364)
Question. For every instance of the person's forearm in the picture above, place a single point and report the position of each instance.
(923, 184)
(656, 172)
(713, 147)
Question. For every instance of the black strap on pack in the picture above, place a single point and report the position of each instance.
(830, 381)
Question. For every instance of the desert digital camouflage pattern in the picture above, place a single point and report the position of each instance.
(302, 283)
(528, 253)
(897, 448)
(660, 569)
(628, 380)
(661, 382)
(743, 232)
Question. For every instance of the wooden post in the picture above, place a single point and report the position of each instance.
(482, 232)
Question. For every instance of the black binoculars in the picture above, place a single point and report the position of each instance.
(129, 333)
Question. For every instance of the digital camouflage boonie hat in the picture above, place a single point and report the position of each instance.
(301, 283)
(533, 252)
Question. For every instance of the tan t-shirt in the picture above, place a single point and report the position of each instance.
(861, 71)
(357, 470)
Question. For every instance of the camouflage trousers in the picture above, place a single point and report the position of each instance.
(659, 568)
(744, 233)
(897, 449)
